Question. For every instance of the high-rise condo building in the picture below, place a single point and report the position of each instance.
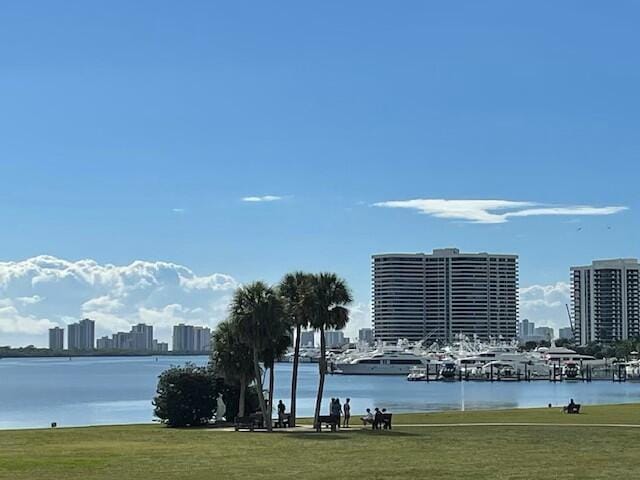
(335, 339)
(606, 300)
(81, 335)
(365, 335)
(142, 337)
(307, 338)
(565, 333)
(56, 339)
(545, 333)
(445, 293)
(526, 329)
(190, 339)
(202, 339)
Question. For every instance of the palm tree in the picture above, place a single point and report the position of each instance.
(330, 295)
(295, 290)
(281, 342)
(258, 310)
(232, 359)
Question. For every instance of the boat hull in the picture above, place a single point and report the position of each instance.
(359, 369)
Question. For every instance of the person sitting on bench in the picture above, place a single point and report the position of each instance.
(368, 418)
(573, 407)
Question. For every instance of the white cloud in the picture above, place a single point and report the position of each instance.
(493, 211)
(545, 304)
(40, 292)
(262, 198)
(359, 317)
(179, 210)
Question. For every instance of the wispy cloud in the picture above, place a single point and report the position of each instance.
(262, 198)
(493, 211)
(179, 210)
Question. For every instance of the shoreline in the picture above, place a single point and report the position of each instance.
(103, 354)
(355, 417)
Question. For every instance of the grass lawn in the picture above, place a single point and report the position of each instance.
(467, 452)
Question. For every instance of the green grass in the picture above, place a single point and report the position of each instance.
(475, 452)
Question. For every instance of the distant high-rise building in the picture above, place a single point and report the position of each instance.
(56, 339)
(526, 329)
(160, 347)
(122, 341)
(307, 338)
(104, 343)
(334, 339)
(546, 333)
(183, 338)
(201, 339)
(191, 339)
(365, 335)
(143, 338)
(443, 294)
(81, 335)
(565, 333)
(606, 300)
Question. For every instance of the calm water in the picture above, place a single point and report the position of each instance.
(91, 391)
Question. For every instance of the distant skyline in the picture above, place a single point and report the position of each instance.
(155, 155)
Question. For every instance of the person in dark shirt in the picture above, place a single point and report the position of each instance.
(346, 409)
(281, 413)
(377, 419)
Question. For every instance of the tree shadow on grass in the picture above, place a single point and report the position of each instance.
(347, 435)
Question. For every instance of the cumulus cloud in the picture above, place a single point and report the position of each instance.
(359, 317)
(262, 198)
(493, 211)
(545, 304)
(45, 291)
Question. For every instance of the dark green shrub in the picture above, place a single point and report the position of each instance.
(186, 396)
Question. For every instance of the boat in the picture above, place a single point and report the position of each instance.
(380, 362)
(571, 371)
(448, 371)
(632, 368)
(307, 355)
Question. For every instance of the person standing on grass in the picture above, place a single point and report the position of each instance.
(281, 410)
(346, 408)
(336, 410)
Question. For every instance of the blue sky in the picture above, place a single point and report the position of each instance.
(133, 130)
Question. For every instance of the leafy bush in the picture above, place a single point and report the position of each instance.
(186, 396)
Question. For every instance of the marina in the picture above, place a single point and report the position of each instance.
(467, 360)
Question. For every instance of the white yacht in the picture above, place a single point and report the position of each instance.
(632, 368)
(381, 362)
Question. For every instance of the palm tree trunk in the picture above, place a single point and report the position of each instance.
(242, 401)
(294, 376)
(322, 366)
(271, 383)
(263, 406)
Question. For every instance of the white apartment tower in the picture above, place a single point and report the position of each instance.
(440, 295)
(606, 300)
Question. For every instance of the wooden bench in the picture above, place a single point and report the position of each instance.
(329, 420)
(286, 421)
(383, 423)
(249, 422)
(386, 421)
(575, 409)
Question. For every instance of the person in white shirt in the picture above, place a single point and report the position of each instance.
(368, 418)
